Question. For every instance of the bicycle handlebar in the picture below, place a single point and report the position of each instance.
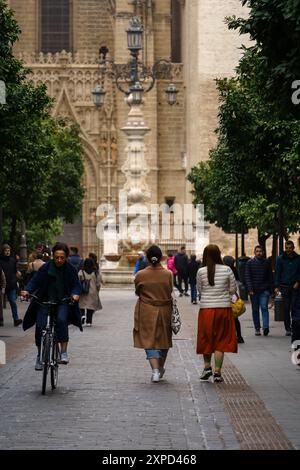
(66, 300)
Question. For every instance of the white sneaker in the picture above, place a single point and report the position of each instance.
(155, 375)
(64, 358)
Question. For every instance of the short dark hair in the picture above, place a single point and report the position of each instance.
(290, 242)
(154, 255)
(193, 257)
(260, 247)
(74, 249)
(61, 247)
(183, 247)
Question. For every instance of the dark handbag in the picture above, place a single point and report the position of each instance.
(85, 284)
(175, 318)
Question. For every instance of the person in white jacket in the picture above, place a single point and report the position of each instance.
(216, 327)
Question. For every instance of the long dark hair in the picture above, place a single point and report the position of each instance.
(211, 257)
(154, 255)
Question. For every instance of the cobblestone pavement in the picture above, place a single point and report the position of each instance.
(105, 399)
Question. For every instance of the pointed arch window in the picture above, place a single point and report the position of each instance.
(55, 25)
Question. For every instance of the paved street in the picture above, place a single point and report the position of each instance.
(105, 399)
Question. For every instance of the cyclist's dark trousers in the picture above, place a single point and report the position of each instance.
(61, 324)
(296, 316)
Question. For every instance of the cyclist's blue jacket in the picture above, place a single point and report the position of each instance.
(38, 286)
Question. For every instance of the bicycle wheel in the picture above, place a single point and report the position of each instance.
(46, 361)
(54, 366)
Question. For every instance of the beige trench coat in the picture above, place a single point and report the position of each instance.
(152, 316)
(91, 300)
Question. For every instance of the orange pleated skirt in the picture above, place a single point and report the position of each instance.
(216, 331)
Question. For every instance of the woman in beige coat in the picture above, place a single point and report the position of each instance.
(90, 301)
(152, 316)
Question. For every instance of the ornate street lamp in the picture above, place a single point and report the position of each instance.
(138, 77)
(171, 92)
(98, 96)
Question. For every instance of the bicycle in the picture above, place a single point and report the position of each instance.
(49, 350)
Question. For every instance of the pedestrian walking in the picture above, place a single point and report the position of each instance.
(192, 269)
(9, 266)
(181, 263)
(34, 265)
(94, 257)
(171, 267)
(2, 292)
(216, 328)
(287, 281)
(75, 259)
(259, 282)
(89, 300)
(230, 261)
(152, 317)
(54, 281)
(141, 263)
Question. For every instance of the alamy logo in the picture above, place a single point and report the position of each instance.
(2, 92)
(296, 94)
(2, 353)
(296, 353)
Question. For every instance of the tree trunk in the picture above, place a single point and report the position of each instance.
(1, 226)
(13, 233)
(274, 250)
(262, 238)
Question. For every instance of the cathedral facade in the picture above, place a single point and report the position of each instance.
(60, 43)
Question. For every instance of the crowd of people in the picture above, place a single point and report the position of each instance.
(214, 282)
(52, 276)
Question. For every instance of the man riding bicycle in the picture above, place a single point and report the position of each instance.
(54, 281)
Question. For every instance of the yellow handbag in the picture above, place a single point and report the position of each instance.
(238, 308)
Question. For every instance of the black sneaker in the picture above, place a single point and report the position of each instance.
(218, 378)
(206, 374)
(266, 331)
(18, 322)
(1, 323)
(186, 294)
(240, 340)
(257, 333)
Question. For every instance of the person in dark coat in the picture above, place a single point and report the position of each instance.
(192, 270)
(181, 264)
(2, 292)
(75, 259)
(9, 266)
(55, 280)
(287, 281)
(259, 282)
(230, 261)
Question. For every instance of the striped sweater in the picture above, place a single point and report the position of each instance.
(219, 295)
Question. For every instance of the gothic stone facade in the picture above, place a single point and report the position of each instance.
(195, 35)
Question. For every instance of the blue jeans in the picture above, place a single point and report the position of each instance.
(260, 301)
(62, 330)
(12, 298)
(193, 291)
(156, 353)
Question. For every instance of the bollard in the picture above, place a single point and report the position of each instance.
(279, 308)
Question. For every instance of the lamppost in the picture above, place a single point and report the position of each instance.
(139, 78)
(134, 79)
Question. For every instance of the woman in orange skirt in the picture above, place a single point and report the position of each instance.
(216, 327)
